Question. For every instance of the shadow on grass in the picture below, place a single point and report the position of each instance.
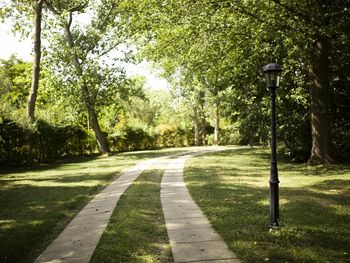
(314, 227)
(257, 153)
(36, 203)
(43, 167)
(60, 164)
(31, 217)
(315, 218)
(7, 184)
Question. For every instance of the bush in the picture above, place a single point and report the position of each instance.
(228, 136)
(23, 143)
(131, 138)
(172, 136)
(136, 138)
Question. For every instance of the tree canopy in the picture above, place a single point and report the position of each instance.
(212, 53)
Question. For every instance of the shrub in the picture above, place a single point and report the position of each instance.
(21, 143)
(172, 136)
(131, 138)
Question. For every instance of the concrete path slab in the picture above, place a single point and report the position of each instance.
(191, 236)
(79, 239)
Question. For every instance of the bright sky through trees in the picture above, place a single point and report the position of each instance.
(22, 48)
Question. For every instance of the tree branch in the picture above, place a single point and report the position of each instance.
(78, 7)
(292, 10)
(51, 8)
(103, 24)
(70, 19)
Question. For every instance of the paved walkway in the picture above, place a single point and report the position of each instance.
(191, 237)
(79, 239)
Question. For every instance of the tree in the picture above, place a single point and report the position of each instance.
(22, 11)
(237, 38)
(38, 7)
(316, 24)
(84, 44)
(14, 83)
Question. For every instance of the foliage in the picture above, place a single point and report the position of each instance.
(220, 47)
(136, 138)
(40, 142)
(131, 117)
(14, 82)
(131, 138)
(154, 121)
(172, 136)
(212, 52)
(230, 135)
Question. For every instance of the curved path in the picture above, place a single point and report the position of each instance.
(191, 237)
(79, 239)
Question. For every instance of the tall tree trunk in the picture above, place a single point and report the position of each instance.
(101, 140)
(217, 124)
(203, 130)
(321, 151)
(197, 139)
(202, 116)
(36, 63)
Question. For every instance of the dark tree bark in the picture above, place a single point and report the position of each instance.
(197, 139)
(321, 152)
(36, 63)
(217, 124)
(203, 132)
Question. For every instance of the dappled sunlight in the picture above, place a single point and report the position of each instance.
(43, 199)
(136, 231)
(7, 224)
(233, 191)
(34, 183)
(36, 222)
(341, 210)
(36, 207)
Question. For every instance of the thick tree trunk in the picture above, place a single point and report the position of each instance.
(321, 152)
(36, 63)
(95, 126)
(217, 124)
(197, 139)
(101, 140)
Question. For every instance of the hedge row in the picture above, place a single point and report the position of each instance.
(40, 142)
(134, 138)
(43, 142)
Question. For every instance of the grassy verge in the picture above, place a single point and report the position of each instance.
(136, 231)
(232, 189)
(37, 203)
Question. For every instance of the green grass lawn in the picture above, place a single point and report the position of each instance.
(232, 189)
(136, 231)
(37, 203)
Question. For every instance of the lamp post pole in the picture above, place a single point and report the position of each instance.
(272, 72)
(274, 194)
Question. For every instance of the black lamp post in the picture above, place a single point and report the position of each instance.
(272, 72)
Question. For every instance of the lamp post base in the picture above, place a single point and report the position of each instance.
(273, 226)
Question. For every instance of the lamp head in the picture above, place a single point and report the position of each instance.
(272, 73)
